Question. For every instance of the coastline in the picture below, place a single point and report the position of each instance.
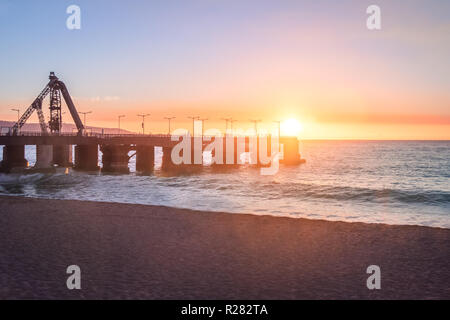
(132, 251)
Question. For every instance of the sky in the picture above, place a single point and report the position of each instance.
(314, 61)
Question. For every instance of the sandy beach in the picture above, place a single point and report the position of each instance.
(149, 252)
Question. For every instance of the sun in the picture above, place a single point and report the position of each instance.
(291, 127)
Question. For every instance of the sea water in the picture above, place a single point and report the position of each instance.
(393, 182)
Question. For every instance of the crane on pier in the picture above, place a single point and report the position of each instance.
(55, 88)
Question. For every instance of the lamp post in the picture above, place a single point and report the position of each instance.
(226, 123)
(231, 123)
(61, 123)
(169, 119)
(18, 116)
(84, 114)
(256, 125)
(203, 122)
(143, 121)
(119, 117)
(279, 128)
(193, 122)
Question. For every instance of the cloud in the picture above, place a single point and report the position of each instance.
(113, 98)
(106, 98)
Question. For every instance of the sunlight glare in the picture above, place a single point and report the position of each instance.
(291, 127)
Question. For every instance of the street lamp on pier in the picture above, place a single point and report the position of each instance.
(231, 124)
(279, 128)
(193, 122)
(18, 116)
(143, 121)
(256, 125)
(84, 114)
(203, 123)
(169, 119)
(119, 117)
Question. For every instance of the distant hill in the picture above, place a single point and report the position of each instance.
(67, 128)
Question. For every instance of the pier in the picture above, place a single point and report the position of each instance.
(54, 148)
(57, 150)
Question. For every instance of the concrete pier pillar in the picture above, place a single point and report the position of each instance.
(264, 151)
(13, 158)
(196, 155)
(44, 157)
(197, 151)
(290, 147)
(115, 158)
(237, 152)
(231, 156)
(62, 155)
(86, 157)
(216, 162)
(145, 158)
(169, 166)
(252, 147)
(247, 144)
(167, 163)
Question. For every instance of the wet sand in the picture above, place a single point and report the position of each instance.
(152, 252)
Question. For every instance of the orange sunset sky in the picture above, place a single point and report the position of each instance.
(313, 61)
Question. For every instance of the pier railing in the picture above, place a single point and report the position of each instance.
(100, 135)
(86, 134)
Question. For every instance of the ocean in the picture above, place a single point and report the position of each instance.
(392, 182)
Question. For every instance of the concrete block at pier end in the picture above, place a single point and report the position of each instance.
(291, 154)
